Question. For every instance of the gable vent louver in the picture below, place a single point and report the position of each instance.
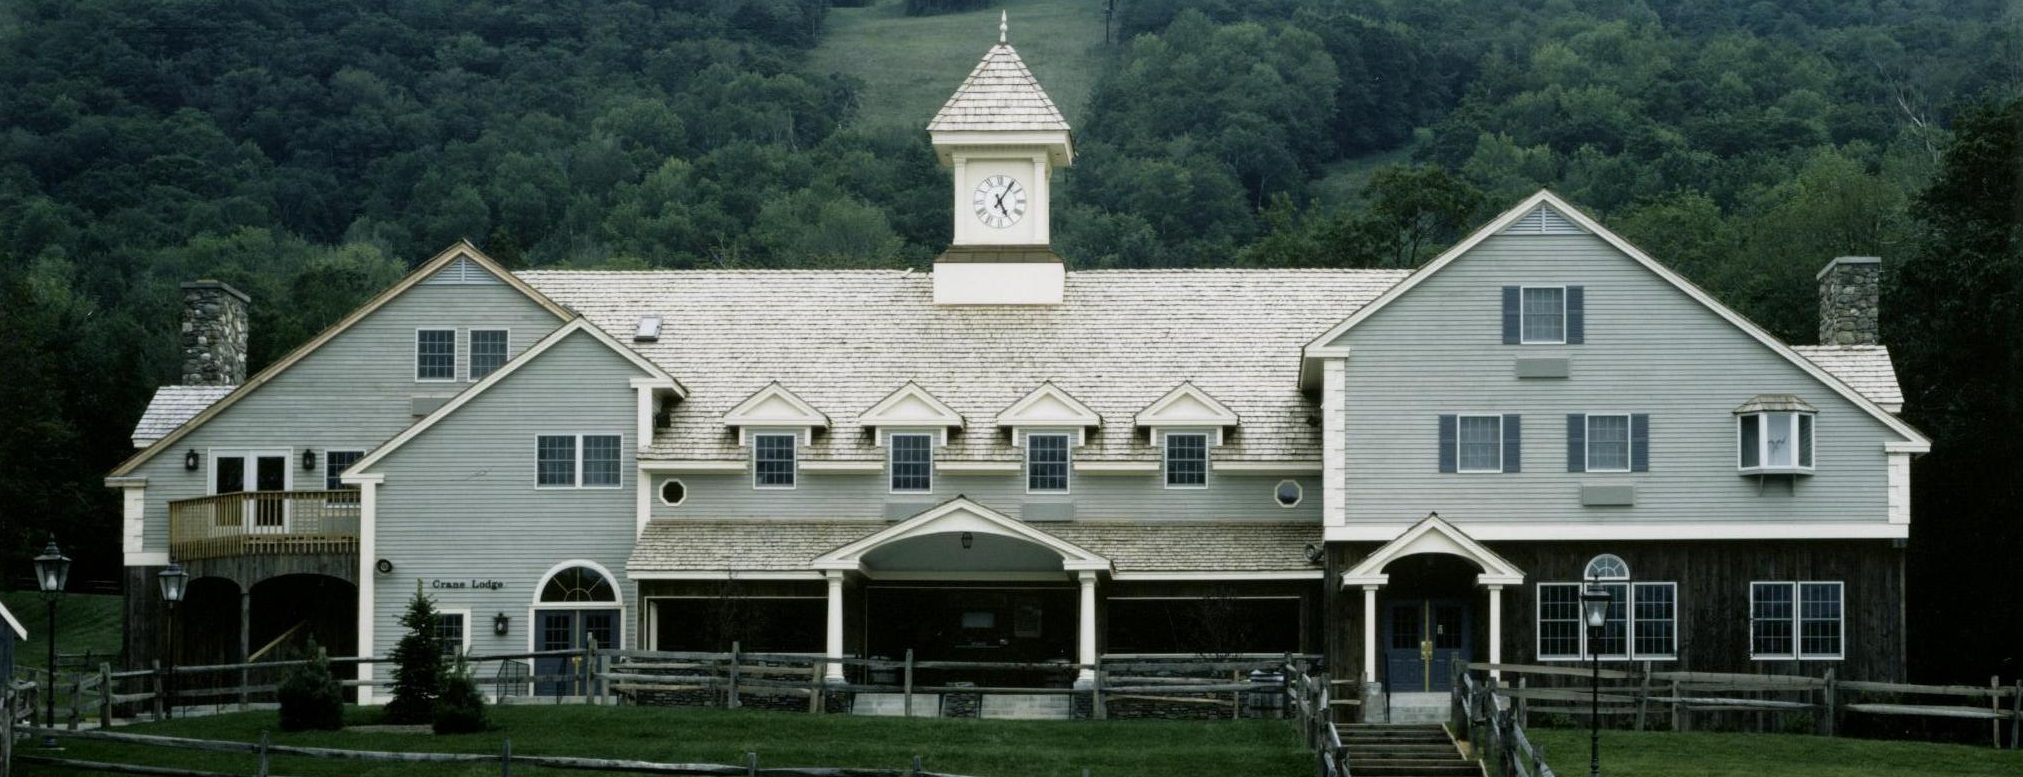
(1544, 220)
(462, 271)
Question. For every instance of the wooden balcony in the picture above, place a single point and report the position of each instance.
(264, 523)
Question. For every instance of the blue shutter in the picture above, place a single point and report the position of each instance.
(1449, 442)
(1576, 317)
(1576, 442)
(1510, 313)
(1512, 442)
(1640, 442)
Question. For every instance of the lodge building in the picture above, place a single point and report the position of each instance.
(1002, 459)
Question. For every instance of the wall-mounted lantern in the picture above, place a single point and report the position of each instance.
(308, 460)
(500, 623)
(190, 460)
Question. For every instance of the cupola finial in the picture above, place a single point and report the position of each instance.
(1003, 24)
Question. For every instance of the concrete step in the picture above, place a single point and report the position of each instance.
(925, 705)
(1456, 768)
(1037, 706)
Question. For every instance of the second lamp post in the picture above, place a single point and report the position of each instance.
(1594, 602)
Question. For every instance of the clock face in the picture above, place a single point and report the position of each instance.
(1000, 201)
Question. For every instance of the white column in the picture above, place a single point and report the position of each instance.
(1369, 633)
(834, 672)
(1087, 635)
(368, 549)
(1495, 629)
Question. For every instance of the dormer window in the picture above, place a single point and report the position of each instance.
(1186, 462)
(1047, 463)
(1774, 436)
(773, 464)
(911, 463)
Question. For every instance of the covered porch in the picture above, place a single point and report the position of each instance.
(1432, 599)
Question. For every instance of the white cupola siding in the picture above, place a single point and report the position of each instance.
(1002, 136)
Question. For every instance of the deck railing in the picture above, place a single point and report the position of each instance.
(264, 523)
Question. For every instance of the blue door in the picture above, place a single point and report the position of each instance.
(569, 630)
(1423, 640)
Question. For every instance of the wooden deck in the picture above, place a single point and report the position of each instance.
(264, 523)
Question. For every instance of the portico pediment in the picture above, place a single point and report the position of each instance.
(955, 518)
(1434, 535)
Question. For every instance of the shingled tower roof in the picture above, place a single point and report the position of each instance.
(1000, 94)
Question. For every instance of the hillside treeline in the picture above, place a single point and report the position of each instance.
(309, 152)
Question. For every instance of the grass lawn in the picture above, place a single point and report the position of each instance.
(984, 748)
(1632, 754)
(911, 64)
(83, 622)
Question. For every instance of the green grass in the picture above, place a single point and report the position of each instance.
(83, 622)
(985, 748)
(1633, 754)
(910, 65)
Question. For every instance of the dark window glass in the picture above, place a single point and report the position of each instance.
(1559, 620)
(450, 632)
(488, 351)
(600, 460)
(1209, 625)
(912, 462)
(1770, 617)
(555, 460)
(1047, 462)
(1186, 459)
(773, 460)
(435, 354)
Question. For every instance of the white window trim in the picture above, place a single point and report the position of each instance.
(660, 493)
(470, 374)
(1629, 442)
(1068, 447)
(1523, 334)
(891, 471)
(1629, 623)
(1208, 442)
(578, 483)
(1763, 444)
(795, 450)
(617, 601)
(1299, 491)
(1798, 622)
(464, 647)
(1500, 432)
(456, 355)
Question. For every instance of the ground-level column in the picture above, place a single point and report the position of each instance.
(834, 672)
(1086, 654)
(245, 642)
(1369, 633)
(1495, 629)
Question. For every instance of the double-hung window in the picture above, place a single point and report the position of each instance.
(1795, 620)
(334, 464)
(1641, 622)
(450, 630)
(1480, 443)
(1186, 460)
(582, 460)
(1047, 463)
(773, 462)
(435, 354)
(1543, 315)
(911, 463)
(1608, 442)
(488, 351)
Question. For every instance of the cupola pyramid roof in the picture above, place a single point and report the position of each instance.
(1000, 94)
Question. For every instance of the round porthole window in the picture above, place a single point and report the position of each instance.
(1288, 493)
(672, 493)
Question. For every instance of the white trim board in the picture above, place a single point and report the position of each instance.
(1676, 530)
(1288, 574)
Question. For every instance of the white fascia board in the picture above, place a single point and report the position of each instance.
(155, 559)
(362, 478)
(1683, 530)
(1907, 446)
(910, 406)
(1048, 406)
(698, 466)
(1288, 574)
(775, 405)
(842, 466)
(130, 481)
(1291, 467)
(1115, 467)
(1186, 405)
(725, 575)
(978, 466)
(1003, 577)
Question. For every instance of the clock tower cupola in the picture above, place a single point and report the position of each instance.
(1002, 137)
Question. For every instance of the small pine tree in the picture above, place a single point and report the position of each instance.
(310, 695)
(461, 707)
(417, 664)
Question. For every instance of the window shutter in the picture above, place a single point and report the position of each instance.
(1512, 442)
(1449, 442)
(1640, 442)
(1576, 442)
(1510, 314)
(1576, 317)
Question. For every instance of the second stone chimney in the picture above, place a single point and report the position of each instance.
(1850, 301)
(214, 334)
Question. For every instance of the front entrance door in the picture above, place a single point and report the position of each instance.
(1423, 640)
(569, 630)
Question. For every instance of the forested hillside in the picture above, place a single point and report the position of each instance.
(308, 152)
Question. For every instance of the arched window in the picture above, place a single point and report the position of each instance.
(578, 584)
(1607, 566)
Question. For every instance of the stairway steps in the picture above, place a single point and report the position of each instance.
(1404, 750)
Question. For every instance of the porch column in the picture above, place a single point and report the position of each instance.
(834, 672)
(1495, 629)
(1087, 636)
(1369, 633)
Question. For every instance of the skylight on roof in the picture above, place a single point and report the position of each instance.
(648, 331)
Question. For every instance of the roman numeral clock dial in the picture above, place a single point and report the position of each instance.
(1000, 201)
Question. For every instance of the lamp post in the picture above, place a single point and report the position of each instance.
(1594, 604)
(52, 573)
(172, 580)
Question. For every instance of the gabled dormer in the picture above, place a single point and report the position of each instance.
(1185, 407)
(913, 408)
(775, 424)
(1048, 407)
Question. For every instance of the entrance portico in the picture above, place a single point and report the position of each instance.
(1423, 625)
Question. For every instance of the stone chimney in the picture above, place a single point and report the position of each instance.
(214, 334)
(1850, 301)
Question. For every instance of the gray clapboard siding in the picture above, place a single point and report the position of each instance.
(1137, 496)
(351, 394)
(459, 501)
(1649, 349)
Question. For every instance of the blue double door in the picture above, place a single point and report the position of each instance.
(1423, 641)
(569, 630)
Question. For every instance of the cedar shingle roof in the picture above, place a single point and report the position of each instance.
(747, 545)
(1864, 368)
(844, 339)
(1000, 94)
(171, 406)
